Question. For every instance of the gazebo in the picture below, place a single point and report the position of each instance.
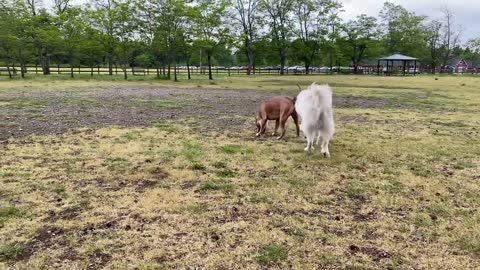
(396, 58)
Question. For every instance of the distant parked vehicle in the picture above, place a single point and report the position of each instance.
(296, 69)
(324, 69)
(413, 70)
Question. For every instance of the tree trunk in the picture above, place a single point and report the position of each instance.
(110, 64)
(45, 62)
(188, 69)
(22, 68)
(46, 66)
(168, 71)
(307, 68)
(200, 66)
(175, 71)
(22, 61)
(251, 61)
(9, 72)
(209, 58)
(282, 64)
(40, 58)
(125, 63)
(71, 64)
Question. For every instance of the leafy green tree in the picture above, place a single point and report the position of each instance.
(360, 39)
(433, 38)
(124, 27)
(247, 15)
(279, 14)
(312, 21)
(404, 31)
(210, 29)
(8, 39)
(103, 19)
(171, 30)
(72, 29)
(472, 51)
(148, 22)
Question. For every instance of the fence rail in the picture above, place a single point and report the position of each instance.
(144, 71)
(141, 71)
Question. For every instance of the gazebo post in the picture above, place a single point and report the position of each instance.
(378, 68)
(404, 66)
(415, 68)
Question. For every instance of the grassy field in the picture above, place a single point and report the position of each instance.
(400, 191)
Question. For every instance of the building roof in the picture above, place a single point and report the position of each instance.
(399, 57)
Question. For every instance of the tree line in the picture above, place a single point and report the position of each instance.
(163, 34)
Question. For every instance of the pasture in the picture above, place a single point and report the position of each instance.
(151, 174)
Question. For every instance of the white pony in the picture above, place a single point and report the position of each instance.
(314, 106)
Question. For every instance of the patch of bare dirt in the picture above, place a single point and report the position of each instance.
(98, 261)
(65, 214)
(375, 253)
(55, 112)
(370, 216)
(43, 240)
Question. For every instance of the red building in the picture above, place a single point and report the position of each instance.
(461, 66)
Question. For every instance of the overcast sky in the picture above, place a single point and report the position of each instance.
(467, 12)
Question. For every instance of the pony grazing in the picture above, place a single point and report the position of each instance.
(278, 109)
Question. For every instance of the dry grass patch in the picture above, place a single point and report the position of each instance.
(400, 192)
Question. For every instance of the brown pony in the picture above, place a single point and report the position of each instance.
(278, 109)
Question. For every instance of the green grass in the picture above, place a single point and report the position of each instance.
(218, 185)
(272, 254)
(193, 151)
(402, 180)
(9, 212)
(10, 252)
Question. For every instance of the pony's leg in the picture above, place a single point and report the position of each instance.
(295, 120)
(282, 127)
(277, 123)
(263, 126)
(325, 151)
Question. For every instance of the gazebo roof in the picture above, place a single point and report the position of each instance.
(398, 57)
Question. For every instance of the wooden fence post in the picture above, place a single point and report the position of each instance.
(36, 68)
(98, 69)
(58, 68)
